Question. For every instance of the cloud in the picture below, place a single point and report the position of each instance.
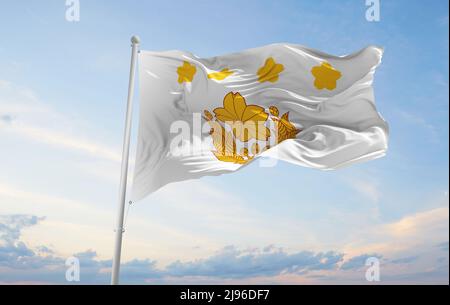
(358, 262)
(41, 264)
(422, 124)
(412, 248)
(443, 246)
(414, 233)
(67, 141)
(53, 202)
(13, 252)
(19, 262)
(405, 260)
(368, 189)
(426, 224)
(231, 262)
(12, 225)
(5, 118)
(23, 114)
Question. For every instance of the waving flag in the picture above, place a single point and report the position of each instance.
(211, 116)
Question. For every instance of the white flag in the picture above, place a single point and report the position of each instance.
(211, 116)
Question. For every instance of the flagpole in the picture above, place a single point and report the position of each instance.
(124, 171)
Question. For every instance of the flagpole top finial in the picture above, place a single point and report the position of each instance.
(135, 40)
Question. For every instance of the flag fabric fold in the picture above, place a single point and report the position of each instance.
(211, 116)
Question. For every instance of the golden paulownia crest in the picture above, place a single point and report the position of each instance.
(237, 121)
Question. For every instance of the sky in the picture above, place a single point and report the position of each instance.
(63, 88)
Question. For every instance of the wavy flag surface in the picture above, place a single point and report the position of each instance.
(215, 115)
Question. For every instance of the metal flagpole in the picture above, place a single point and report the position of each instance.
(123, 175)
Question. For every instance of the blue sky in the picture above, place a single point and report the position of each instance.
(63, 87)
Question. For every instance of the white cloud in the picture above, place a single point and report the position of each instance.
(368, 189)
(431, 225)
(72, 225)
(223, 216)
(421, 123)
(65, 140)
(411, 233)
(34, 120)
(229, 265)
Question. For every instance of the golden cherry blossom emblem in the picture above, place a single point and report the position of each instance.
(186, 72)
(326, 76)
(245, 120)
(270, 71)
(247, 128)
(221, 75)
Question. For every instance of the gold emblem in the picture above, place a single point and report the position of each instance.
(270, 71)
(326, 76)
(186, 72)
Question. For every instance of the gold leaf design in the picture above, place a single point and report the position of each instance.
(274, 111)
(208, 115)
(224, 73)
(325, 76)
(244, 151)
(255, 148)
(270, 71)
(286, 130)
(235, 159)
(186, 72)
(224, 144)
(245, 120)
(235, 113)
